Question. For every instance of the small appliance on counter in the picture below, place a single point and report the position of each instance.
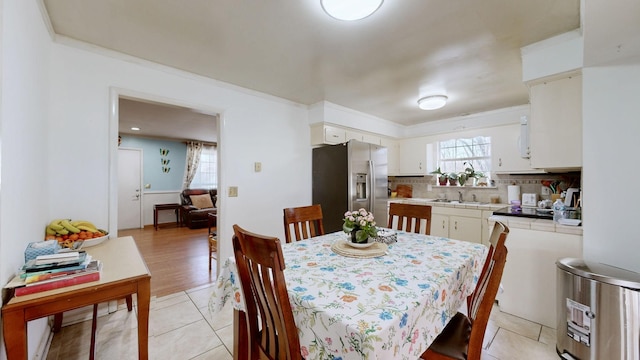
(529, 200)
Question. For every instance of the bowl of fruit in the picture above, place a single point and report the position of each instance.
(74, 234)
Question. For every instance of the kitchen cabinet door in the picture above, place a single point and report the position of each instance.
(393, 153)
(416, 157)
(505, 151)
(556, 124)
(465, 228)
(440, 225)
(529, 278)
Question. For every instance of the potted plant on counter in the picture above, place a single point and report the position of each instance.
(442, 177)
(453, 179)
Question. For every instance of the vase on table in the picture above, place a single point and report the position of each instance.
(358, 239)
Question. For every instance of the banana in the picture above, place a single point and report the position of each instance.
(62, 231)
(55, 224)
(50, 231)
(87, 228)
(67, 225)
(84, 223)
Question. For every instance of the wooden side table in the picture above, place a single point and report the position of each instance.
(116, 282)
(158, 207)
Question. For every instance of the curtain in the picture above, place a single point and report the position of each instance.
(194, 149)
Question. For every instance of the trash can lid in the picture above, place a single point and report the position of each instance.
(600, 272)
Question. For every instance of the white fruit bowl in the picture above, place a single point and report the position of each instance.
(94, 241)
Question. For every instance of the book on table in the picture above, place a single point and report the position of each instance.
(54, 263)
(34, 283)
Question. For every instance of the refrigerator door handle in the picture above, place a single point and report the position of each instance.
(372, 183)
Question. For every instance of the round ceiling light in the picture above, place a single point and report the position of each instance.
(432, 102)
(350, 9)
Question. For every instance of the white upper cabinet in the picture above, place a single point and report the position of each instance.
(393, 154)
(556, 123)
(506, 157)
(415, 157)
(327, 134)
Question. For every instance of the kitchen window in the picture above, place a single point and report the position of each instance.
(207, 175)
(453, 153)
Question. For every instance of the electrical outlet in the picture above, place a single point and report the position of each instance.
(257, 167)
(233, 191)
(545, 191)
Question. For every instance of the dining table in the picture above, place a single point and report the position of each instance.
(359, 304)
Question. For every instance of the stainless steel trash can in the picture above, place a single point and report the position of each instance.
(598, 311)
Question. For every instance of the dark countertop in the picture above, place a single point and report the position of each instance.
(524, 212)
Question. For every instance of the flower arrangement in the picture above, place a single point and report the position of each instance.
(360, 224)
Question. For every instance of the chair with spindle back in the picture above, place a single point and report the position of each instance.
(410, 215)
(462, 337)
(272, 332)
(306, 222)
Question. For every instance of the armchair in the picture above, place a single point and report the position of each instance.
(195, 208)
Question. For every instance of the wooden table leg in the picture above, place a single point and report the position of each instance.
(14, 330)
(155, 218)
(144, 296)
(240, 336)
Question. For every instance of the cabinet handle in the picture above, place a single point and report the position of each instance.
(499, 161)
(443, 224)
(456, 225)
(420, 165)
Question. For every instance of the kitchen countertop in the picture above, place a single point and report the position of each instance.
(519, 222)
(450, 204)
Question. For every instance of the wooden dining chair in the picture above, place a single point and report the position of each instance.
(306, 222)
(410, 215)
(272, 332)
(462, 337)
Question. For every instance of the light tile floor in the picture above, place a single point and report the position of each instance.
(182, 328)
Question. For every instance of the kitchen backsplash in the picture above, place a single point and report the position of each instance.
(426, 186)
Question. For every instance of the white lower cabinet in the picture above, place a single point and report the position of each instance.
(529, 278)
(439, 225)
(456, 223)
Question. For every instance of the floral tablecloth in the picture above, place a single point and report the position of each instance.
(390, 307)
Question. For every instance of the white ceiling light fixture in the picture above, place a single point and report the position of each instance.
(432, 102)
(350, 10)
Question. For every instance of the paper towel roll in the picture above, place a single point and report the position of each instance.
(513, 193)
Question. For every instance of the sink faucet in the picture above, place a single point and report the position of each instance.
(474, 197)
(460, 196)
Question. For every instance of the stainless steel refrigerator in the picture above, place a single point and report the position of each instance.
(350, 176)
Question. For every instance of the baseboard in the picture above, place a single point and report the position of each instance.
(43, 348)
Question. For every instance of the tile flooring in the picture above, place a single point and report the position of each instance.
(182, 328)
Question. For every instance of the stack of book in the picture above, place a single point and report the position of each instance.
(48, 272)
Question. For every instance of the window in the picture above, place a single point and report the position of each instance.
(207, 174)
(452, 154)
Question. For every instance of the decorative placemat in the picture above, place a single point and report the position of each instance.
(341, 247)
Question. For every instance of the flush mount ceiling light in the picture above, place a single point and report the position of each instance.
(432, 102)
(350, 9)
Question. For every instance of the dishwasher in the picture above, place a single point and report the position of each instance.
(598, 309)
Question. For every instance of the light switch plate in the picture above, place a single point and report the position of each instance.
(233, 191)
(257, 166)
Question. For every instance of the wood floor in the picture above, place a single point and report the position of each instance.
(177, 257)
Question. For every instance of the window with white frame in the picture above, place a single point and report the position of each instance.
(207, 175)
(453, 153)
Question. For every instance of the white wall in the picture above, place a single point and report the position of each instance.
(24, 129)
(611, 89)
(610, 148)
(254, 128)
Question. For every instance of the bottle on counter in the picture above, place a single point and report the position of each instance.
(558, 210)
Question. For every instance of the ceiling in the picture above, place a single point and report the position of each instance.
(165, 121)
(468, 50)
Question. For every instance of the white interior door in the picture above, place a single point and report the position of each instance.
(129, 188)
